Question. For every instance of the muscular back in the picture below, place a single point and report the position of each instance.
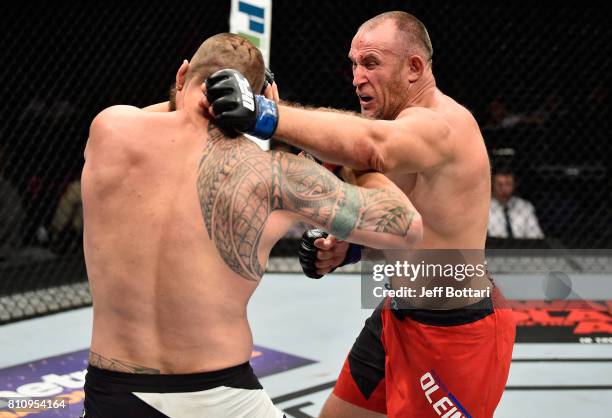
(179, 222)
(161, 294)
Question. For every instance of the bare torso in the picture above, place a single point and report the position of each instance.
(453, 200)
(179, 223)
(164, 300)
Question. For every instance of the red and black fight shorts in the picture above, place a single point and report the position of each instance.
(414, 363)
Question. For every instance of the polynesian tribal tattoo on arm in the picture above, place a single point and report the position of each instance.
(239, 185)
(315, 193)
(116, 365)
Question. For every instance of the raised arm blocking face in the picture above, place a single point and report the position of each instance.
(240, 186)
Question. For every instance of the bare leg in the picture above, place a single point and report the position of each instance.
(337, 408)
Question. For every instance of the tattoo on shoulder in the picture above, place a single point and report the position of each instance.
(116, 365)
(234, 190)
(239, 185)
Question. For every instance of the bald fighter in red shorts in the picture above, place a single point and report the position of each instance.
(409, 363)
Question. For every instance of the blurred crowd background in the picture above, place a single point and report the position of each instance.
(535, 75)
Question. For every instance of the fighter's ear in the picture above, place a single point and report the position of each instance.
(416, 65)
(181, 74)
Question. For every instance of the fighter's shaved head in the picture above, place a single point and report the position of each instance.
(227, 50)
(412, 32)
(224, 50)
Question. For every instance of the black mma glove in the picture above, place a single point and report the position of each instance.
(308, 253)
(237, 108)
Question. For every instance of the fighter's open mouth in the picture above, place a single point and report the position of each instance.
(365, 98)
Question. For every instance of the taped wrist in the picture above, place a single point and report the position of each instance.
(353, 255)
(266, 119)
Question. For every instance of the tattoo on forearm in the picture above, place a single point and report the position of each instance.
(239, 186)
(315, 193)
(116, 365)
(346, 215)
(382, 213)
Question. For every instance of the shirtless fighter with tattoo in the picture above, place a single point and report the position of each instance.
(179, 222)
